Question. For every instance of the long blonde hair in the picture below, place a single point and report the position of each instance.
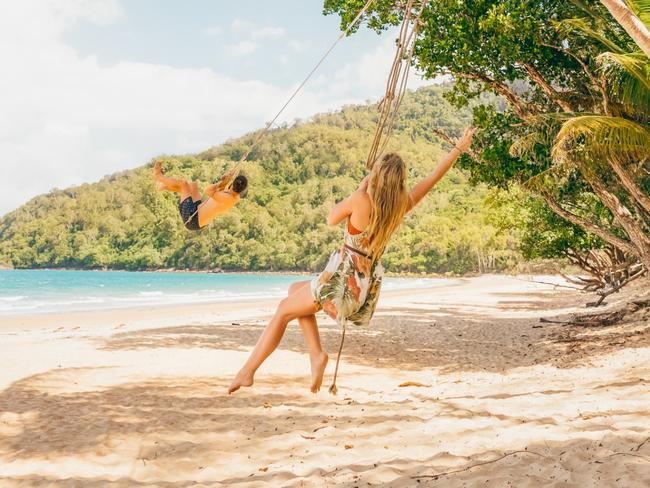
(389, 201)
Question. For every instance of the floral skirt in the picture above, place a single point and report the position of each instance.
(348, 288)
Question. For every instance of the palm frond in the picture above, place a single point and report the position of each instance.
(581, 26)
(628, 79)
(641, 9)
(550, 180)
(523, 147)
(595, 138)
(543, 127)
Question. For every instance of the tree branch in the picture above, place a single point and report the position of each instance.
(588, 226)
(522, 108)
(450, 141)
(597, 82)
(629, 184)
(546, 87)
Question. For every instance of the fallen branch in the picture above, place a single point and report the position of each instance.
(614, 289)
(555, 285)
(640, 445)
(436, 476)
(610, 318)
(630, 454)
(551, 321)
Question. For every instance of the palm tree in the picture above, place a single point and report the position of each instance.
(609, 148)
(630, 14)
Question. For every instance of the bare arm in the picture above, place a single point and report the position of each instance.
(343, 209)
(419, 191)
(220, 186)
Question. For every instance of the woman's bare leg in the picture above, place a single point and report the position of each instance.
(298, 304)
(317, 357)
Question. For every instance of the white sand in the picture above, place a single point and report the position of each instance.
(137, 397)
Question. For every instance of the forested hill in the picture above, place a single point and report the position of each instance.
(122, 222)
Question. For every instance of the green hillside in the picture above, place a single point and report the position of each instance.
(122, 222)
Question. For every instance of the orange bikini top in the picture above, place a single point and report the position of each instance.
(352, 229)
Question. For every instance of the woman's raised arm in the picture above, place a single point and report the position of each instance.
(419, 191)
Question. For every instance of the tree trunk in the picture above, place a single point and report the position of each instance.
(623, 216)
(589, 226)
(630, 22)
(630, 185)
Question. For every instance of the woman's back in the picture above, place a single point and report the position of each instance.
(361, 206)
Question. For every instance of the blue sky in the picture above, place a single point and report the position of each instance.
(286, 36)
(91, 87)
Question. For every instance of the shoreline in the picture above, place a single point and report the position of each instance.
(202, 312)
(201, 309)
(390, 274)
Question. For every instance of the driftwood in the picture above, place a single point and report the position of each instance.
(603, 319)
(607, 269)
(605, 293)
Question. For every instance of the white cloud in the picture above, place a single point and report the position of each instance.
(213, 30)
(298, 46)
(269, 32)
(68, 119)
(241, 48)
(367, 75)
(250, 37)
(239, 25)
(253, 31)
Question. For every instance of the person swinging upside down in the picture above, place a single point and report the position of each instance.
(195, 213)
(348, 289)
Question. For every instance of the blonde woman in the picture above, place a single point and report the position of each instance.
(349, 286)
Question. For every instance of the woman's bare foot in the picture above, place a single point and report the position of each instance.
(243, 378)
(318, 364)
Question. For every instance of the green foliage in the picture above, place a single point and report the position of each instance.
(541, 233)
(295, 175)
(562, 67)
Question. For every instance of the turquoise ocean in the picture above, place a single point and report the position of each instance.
(45, 291)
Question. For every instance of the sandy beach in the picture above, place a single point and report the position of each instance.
(458, 386)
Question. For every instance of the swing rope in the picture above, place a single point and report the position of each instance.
(333, 389)
(397, 81)
(232, 173)
(389, 107)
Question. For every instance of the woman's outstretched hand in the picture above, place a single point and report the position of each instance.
(465, 141)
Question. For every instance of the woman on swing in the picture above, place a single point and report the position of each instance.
(348, 288)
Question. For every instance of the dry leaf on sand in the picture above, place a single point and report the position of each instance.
(412, 383)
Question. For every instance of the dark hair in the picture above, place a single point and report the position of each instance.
(240, 184)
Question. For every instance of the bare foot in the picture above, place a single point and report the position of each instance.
(318, 365)
(243, 378)
(157, 168)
